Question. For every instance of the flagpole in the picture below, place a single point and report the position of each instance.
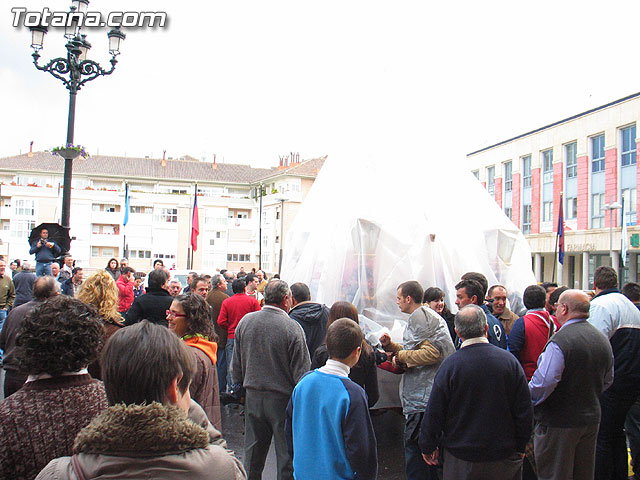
(125, 221)
(189, 258)
(558, 230)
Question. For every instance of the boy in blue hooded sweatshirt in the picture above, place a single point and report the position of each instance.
(328, 428)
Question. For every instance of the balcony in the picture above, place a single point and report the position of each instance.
(105, 240)
(113, 218)
(242, 223)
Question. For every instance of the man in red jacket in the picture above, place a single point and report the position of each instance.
(125, 289)
(529, 334)
(231, 312)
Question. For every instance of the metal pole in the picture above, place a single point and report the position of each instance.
(281, 235)
(260, 232)
(611, 234)
(68, 163)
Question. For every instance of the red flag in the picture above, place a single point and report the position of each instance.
(195, 223)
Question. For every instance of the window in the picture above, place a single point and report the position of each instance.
(597, 154)
(140, 253)
(105, 207)
(526, 219)
(526, 171)
(547, 166)
(25, 208)
(547, 211)
(167, 215)
(238, 257)
(508, 177)
(629, 198)
(509, 212)
(628, 145)
(22, 228)
(597, 210)
(491, 179)
(572, 208)
(103, 252)
(142, 210)
(571, 160)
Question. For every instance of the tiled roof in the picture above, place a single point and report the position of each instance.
(308, 168)
(187, 168)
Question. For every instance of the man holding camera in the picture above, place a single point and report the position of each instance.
(46, 252)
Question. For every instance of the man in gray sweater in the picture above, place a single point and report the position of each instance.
(269, 357)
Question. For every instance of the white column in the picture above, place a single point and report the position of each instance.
(633, 267)
(537, 266)
(585, 271)
(615, 263)
(559, 274)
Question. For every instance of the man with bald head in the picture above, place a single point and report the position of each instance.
(575, 367)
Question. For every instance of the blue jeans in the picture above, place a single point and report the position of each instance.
(43, 269)
(3, 317)
(222, 367)
(415, 467)
(228, 352)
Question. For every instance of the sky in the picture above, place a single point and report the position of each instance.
(251, 80)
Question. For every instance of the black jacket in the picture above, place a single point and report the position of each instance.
(151, 306)
(313, 319)
(23, 282)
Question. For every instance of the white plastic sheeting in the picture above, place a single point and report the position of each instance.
(369, 224)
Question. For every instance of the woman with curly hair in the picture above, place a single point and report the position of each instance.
(188, 318)
(113, 268)
(434, 299)
(364, 372)
(100, 291)
(55, 344)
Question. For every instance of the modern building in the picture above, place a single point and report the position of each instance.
(589, 161)
(161, 197)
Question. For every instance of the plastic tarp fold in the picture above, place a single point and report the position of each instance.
(371, 223)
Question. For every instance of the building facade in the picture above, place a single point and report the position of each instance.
(161, 197)
(589, 163)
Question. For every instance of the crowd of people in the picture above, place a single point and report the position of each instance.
(106, 377)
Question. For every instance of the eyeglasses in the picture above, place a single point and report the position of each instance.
(174, 314)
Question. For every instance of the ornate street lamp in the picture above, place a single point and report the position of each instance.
(74, 71)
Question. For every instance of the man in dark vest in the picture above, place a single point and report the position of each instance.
(575, 367)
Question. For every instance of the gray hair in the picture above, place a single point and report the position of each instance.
(471, 322)
(26, 266)
(175, 280)
(216, 279)
(275, 291)
(229, 276)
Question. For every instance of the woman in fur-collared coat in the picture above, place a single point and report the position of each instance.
(152, 429)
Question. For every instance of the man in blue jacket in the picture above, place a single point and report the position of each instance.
(46, 252)
(472, 292)
(329, 430)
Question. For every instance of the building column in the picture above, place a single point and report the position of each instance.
(560, 273)
(585, 271)
(537, 266)
(633, 267)
(615, 263)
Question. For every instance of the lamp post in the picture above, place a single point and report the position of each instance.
(281, 200)
(74, 71)
(611, 207)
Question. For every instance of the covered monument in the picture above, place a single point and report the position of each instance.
(370, 224)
